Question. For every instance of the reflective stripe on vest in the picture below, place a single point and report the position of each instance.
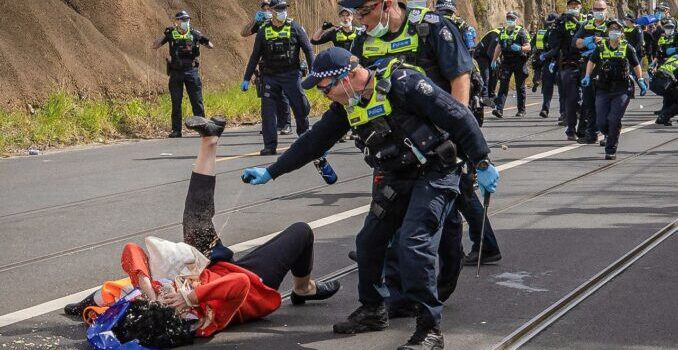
(591, 26)
(379, 106)
(663, 41)
(619, 53)
(272, 34)
(341, 36)
(376, 47)
(504, 35)
(541, 34)
(670, 66)
(178, 36)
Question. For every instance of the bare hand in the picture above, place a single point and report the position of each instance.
(175, 300)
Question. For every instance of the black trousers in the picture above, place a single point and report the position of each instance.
(291, 250)
(191, 79)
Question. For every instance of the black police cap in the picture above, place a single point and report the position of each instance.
(446, 5)
(512, 14)
(352, 3)
(616, 21)
(182, 15)
(332, 62)
(279, 4)
(577, 1)
(551, 18)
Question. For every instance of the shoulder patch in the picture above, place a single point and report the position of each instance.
(446, 34)
(415, 16)
(432, 18)
(424, 88)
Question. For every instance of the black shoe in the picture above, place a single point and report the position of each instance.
(610, 156)
(659, 112)
(268, 152)
(425, 337)
(472, 258)
(287, 130)
(520, 114)
(535, 87)
(571, 138)
(353, 255)
(367, 318)
(544, 113)
(76, 309)
(587, 140)
(402, 309)
(662, 119)
(487, 102)
(323, 290)
(561, 120)
(497, 113)
(174, 134)
(206, 127)
(603, 142)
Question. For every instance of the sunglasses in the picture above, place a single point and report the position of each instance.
(326, 89)
(365, 10)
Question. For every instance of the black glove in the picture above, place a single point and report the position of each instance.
(327, 25)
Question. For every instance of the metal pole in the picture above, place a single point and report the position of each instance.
(486, 204)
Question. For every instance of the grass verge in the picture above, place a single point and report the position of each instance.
(64, 120)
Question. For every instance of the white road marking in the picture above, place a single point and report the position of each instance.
(58, 304)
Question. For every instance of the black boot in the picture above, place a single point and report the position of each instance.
(76, 309)
(472, 258)
(367, 318)
(498, 113)
(174, 134)
(544, 113)
(323, 290)
(206, 127)
(427, 336)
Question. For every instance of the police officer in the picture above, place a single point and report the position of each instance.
(633, 34)
(278, 44)
(483, 54)
(664, 83)
(567, 59)
(407, 129)
(341, 35)
(609, 67)
(182, 67)
(665, 46)
(586, 39)
(514, 47)
(448, 9)
(284, 124)
(429, 41)
(543, 71)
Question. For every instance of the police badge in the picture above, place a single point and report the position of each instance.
(424, 87)
(446, 34)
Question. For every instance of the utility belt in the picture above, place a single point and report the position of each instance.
(410, 146)
(662, 82)
(180, 65)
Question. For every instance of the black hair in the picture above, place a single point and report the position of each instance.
(154, 325)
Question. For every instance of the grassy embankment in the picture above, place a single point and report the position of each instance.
(64, 120)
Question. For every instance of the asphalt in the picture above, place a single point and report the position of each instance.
(65, 216)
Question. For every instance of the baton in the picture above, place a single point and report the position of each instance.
(486, 204)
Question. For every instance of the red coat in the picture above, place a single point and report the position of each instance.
(227, 293)
(230, 294)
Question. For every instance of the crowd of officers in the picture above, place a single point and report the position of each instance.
(411, 84)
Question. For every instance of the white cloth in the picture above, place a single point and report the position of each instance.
(167, 259)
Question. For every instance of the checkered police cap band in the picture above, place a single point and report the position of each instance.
(331, 73)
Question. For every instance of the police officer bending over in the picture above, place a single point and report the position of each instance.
(278, 44)
(665, 84)
(182, 67)
(610, 65)
(408, 129)
(514, 48)
(341, 35)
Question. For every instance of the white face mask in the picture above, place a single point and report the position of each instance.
(572, 12)
(281, 16)
(510, 23)
(380, 29)
(354, 98)
(669, 32)
(346, 23)
(615, 34)
(599, 15)
(416, 3)
(268, 15)
(184, 26)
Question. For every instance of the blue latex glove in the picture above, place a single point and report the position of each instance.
(494, 64)
(670, 51)
(643, 86)
(470, 37)
(542, 57)
(653, 65)
(256, 176)
(259, 16)
(586, 81)
(590, 42)
(487, 179)
(552, 67)
(516, 48)
(245, 85)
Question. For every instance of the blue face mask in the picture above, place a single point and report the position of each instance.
(615, 34)
(184, 26)
(659, 15)
(510, 23)
(268, 15)
(281, 16)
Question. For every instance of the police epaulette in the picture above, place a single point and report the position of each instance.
(432, 18)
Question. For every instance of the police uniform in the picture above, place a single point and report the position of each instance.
(184, 50)
(513, 64)
(664, 83)
(279, 50)
(544, 72)
(407, 131)
(339, 37)
(568, 60)
(634, 36)
(483, 55)
(589, 133)
(424, 40)
(613, 88)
